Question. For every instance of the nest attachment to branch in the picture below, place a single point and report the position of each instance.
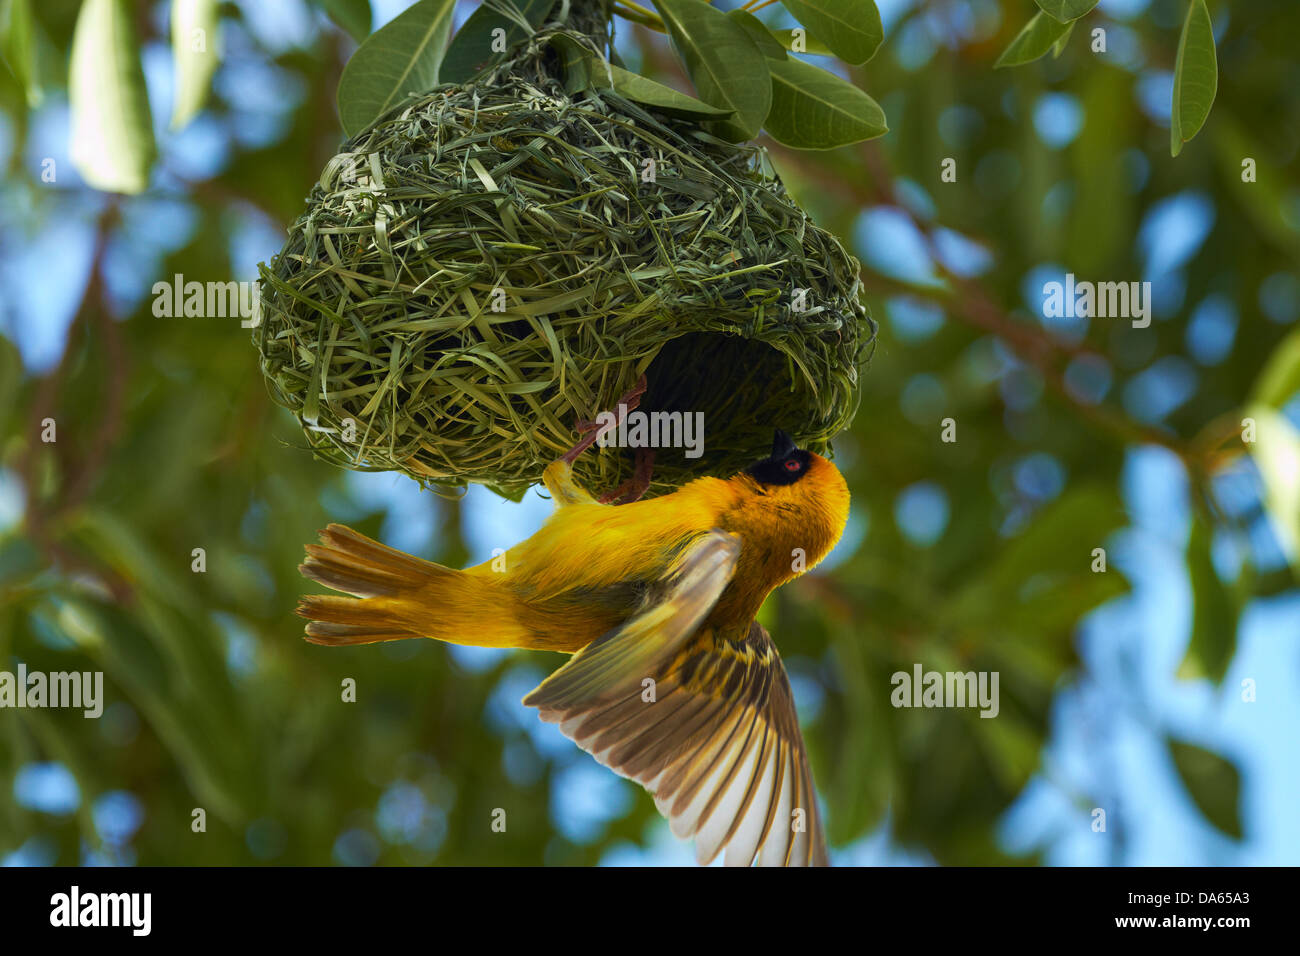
(490, 264)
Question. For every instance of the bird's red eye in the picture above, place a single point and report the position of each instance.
(793, 464)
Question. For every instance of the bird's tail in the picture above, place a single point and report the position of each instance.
(396, 595)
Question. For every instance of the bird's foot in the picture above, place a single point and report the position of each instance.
(590, 431)
(636, 486)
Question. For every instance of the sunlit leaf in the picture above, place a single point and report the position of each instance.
(399, 59)
(111, 141)
(1276, 451)
(1065, 10)
(1059, 46)
(18, 47)
(810, 44)
(725, 65)
(584, 69)
(1196, 77)
(1280, 377)
(813, 109)
(195, 52)
(1033, 41)
(641, 89)
(850, 28)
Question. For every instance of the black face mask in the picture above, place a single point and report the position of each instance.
(786, 465)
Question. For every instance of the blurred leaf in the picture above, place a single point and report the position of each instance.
(1214, 611)
(1213, 783)
(18, 559)
(851, 28)
(208, 742)
(471, 47)
(1012, 747)
(1196, 77)
(111, 142)
(1276, 451)
(196, 52)
(813, 109)
(1034, 575)
(1262, 199)
(1280, 377)
(725, 65)
(1065, 10)
(1099, 229)
(858, 773)
(354, 16)
(11, 379)
(1033, 41)
(19, 48)
(399, 59)
(1059, 46)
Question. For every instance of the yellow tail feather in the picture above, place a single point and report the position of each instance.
(395, 595)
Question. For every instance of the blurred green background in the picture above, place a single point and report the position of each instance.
(1120, 690)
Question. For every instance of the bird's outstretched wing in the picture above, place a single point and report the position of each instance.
(704, 720)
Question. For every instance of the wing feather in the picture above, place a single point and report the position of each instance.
(719, 745)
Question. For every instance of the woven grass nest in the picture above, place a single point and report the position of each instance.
(379, 331)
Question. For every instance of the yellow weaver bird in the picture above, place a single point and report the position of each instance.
(672, 683)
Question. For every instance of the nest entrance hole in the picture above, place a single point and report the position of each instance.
(739, 385)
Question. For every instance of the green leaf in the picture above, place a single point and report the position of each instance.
(471, 48)
(583, 69)
(18, 47)
(18, 559)
(112, 143)
(726, 66)
(810, 44)
(1032, 42)
(1276, 451)
(1065, 10)
(1213, 782)
(767, 44)
(196, 52)
(640, 89)
(851, 28)
(575, 62)
(1280, 378)
(1214, 611)
(399, 59)
(1059, 46)
(813, 109)
(354, 16)
(1196, 77)
(1035, 584)
(1264, 200)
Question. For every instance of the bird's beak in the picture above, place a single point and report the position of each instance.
(782, 445)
